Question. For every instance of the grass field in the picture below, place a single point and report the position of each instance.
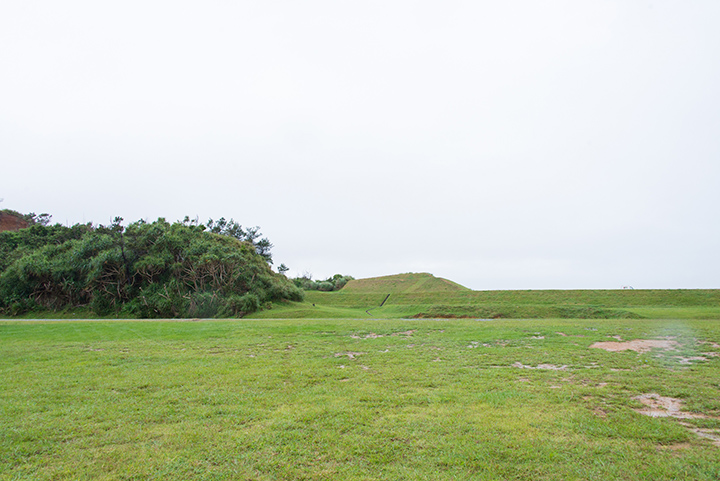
(356, 400)
(423, 295)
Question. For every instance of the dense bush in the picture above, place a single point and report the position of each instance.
(334, 283)
(148, 270)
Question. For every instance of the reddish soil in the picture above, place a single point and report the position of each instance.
(11, 222)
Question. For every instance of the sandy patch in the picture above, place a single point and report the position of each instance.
(711, 434)
(638, 345)
(657, 406)
(372, 335)
(689, 360)
(551, 367)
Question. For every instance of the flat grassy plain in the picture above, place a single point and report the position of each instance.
(354, 400)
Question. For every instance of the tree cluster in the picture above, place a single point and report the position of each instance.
(334, 283)
(147, 269)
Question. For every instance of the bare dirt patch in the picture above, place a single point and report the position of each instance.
(551, 367)
(372, 335)
(657, 406)
(637, 345)
(711, 434)
(689, 360)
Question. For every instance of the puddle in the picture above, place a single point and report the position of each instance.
(551, 367)
(638, 345)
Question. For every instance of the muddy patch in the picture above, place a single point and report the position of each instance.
(550, 367)
(638, 345)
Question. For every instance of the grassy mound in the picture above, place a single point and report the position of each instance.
(403, 283)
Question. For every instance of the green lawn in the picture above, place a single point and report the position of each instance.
(353, 400)
(571, 304)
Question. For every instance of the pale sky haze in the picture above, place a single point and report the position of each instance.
(520, 144)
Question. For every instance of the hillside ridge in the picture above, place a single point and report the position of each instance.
(403, 283)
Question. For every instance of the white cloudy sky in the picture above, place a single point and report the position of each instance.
(515, 144)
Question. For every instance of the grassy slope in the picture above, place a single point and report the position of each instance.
(284, 400)
(403, 283)
(413, 294)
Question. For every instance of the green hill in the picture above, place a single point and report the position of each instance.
(403, 283)
(423, 295)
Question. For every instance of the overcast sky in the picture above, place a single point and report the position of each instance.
(521, 144)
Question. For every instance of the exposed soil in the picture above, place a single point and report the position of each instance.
(551, 367)
(10, 222)
(711, 434)
(638, 345)
(689, 360)
(657, 406)
(372, 335)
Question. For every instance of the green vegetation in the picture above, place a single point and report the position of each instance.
(404, 284)
(32, 218)
(354, 400)
(145, 270)
(334, 283)
(423, 295)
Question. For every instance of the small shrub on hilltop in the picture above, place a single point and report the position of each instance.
(334, 283)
